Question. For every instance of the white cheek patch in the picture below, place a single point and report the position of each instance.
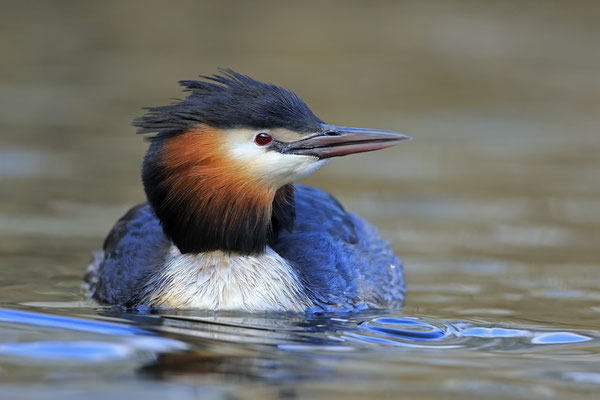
(280, 169)
(245, 150)
(269, 166)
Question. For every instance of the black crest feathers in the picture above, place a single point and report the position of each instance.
(229, 100)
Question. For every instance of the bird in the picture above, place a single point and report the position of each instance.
(225, 226)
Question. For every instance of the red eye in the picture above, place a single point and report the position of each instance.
(263, 139)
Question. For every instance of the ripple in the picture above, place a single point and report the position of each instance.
(51, 337)
(452, 334)
(74, 351)
(421, 331)
(559, 338)
(583, 377)
(78, 324)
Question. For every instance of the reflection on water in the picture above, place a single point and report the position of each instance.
(235, 349)
(494, 206)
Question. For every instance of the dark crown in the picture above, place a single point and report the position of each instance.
(230, 100)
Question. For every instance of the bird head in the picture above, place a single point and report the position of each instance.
(219, 169)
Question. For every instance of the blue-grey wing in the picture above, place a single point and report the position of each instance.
(339, 256)
(134, 248)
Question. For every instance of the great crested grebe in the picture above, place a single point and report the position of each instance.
(225, 228)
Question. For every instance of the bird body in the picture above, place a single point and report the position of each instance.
(226, 228)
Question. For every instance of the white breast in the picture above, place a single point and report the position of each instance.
(220, 281)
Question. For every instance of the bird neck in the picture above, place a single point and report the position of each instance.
(206, 203)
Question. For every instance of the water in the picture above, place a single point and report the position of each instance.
(494, 207)
(282, 355)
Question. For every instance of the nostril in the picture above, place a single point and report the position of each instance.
(332, 133)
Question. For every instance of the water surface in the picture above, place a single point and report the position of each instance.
(494, 207)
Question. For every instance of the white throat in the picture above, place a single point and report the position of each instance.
(220, 281)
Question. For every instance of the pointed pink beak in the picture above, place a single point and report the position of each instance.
(336, 141)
